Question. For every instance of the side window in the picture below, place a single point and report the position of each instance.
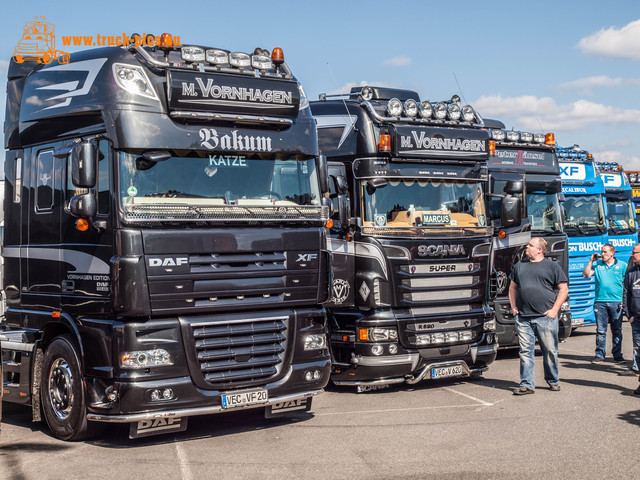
(45, 181)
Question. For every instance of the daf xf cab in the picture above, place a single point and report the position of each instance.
(623, 231)
(531, 159)
(634, 181)
(585, 224)
(164, 243)
(411, 242)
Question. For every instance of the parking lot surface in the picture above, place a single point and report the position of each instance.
(450, 429)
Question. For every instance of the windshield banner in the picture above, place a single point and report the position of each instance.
(530, 161)
(431, 142)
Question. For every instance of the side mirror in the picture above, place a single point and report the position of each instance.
(323, 174)
(513, 187)
(341, 185)
(344, 211)
(83, 165)
(83, 206)
(376, 183)
(561, 197)
(510, 211)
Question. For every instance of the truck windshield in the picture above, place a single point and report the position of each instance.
(218, 187)
(585, 215)
(544, 212)
(621, 216)
(424, 203)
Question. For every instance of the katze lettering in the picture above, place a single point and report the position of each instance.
(227, 161)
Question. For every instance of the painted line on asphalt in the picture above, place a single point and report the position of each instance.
(182, 463)
(388, 410)
(470, 397)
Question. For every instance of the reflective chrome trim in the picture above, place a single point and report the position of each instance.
(462, 294)
(512, 240)
(385, 381)
(461, 281)
(384, 361)
(231, 118)
(188, 412)
(559, 246)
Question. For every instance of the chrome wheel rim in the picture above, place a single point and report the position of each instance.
(61, 388)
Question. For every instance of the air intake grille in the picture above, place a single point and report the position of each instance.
(240, 352)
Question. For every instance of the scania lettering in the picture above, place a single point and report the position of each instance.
(585, 223)
(166, 241)
(410, 265)
(623, 231)
(524, 164)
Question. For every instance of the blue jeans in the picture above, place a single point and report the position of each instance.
(635, 332)
(608, 313)
(546, 330)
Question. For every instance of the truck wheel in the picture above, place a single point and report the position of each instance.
(61, 392)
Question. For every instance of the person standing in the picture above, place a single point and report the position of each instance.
(631, 307)
(538, 289)
(609, 277)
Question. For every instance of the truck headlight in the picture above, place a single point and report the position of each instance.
(377, 334)
(133, 80)
(157, 357)
(315, 342)
(565, 307)
(490, 326)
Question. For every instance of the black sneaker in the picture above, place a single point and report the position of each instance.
(597, 360)
(524, 391)
(636, 391)
(619, 359)
(629, 373)
(555, 388)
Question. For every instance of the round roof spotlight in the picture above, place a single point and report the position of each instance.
(526, 137)
(513, 136)
(455, 99)
(366, 93)
(468, 114)
(440, 110)
(498, 135)
(411, 108)
(394, 107)
(426, 110)
(454, 112)
(539, 137)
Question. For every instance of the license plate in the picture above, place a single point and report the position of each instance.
(244, 399)
(443, 372)
(577, 321)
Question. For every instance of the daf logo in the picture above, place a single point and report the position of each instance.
(306, 257)
(168, 262)
(436, 250)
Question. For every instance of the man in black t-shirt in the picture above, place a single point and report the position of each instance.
(538, 288)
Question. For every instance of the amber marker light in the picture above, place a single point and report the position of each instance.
(329, 223)
(550, 139)
(363, 334)
(384, 145)
(82, 225)
(55, 314)
(166, 41)
(502, 234)
(492, 148)
(277, 57)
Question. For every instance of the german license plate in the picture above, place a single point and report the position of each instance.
(577, 321)
(244, 399)
(443, 372)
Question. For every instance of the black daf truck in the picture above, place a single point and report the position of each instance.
(164, 246)
(529, 158)
(410, 242)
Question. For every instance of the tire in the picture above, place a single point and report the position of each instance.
(61, 390)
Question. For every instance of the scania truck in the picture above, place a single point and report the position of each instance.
(623, 231)
(164, 243)
(411, 242)
(528, 158)
(585, 223)
(634, 181)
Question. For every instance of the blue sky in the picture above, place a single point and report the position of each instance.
(562, 66)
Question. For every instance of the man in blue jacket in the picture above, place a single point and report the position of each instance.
(631, 306)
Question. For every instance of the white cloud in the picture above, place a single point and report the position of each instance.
(399, 61)
(613, 42)
(622, 143)
(4, 67)
(529, 112)
(628, 163)
(585, 86)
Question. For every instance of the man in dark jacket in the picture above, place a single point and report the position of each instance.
(631, 306)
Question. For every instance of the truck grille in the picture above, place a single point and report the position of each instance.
(240, 352)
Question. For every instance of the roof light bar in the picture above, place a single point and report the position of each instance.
(192, 54)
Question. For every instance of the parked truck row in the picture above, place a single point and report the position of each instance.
(187, 234)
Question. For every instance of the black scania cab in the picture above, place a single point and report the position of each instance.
(165, 236)
(411, 263)
(523, 158)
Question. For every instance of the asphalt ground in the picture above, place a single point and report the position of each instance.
(470, 429)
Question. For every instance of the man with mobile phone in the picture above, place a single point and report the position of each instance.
(609, 277)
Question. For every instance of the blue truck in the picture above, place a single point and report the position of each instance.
(585, 224)
(623, 230)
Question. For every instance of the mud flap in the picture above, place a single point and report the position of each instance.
(157, 426)
(283, 408)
